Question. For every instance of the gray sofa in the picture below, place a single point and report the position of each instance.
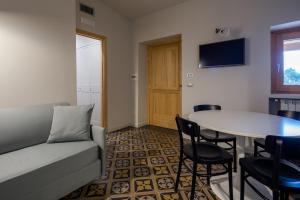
(31, 169)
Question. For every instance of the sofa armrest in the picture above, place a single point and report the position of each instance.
(99, 136)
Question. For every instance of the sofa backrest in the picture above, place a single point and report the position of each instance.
(26, 126)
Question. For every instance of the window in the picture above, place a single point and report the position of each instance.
(286, 61)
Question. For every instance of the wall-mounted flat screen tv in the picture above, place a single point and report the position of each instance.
(222, 54)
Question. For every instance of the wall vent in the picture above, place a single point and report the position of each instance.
(87, 9)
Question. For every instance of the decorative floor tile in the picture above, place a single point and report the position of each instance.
(173, 159)
(198, 195)
(142, 164)
(123, 148)
(184, 170)
(96, 190)
(165, 183)
(140, 161)
(185, 181)
(121, 173)
(157, 160)
(169, 152)
(137, 147)
(166, 145)
(152, 146)
(110, 155)
(108, 164)
(161, 170)
(150, 140)
(141, 171)
(121, 198)
(154, 152)
(122, 163)
(123, 155)
(143, 185)
(124, 142)
(121, 187)
(138, 154)
(146, 197)
(170, 196)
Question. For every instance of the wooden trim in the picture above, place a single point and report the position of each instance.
(277, 38)
(288, 30)
(104, 71)
(149, 53)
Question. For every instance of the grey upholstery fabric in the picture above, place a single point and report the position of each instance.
(71, 123)
(25, 171)
(99, 136)
(64, 185)
(26, 126)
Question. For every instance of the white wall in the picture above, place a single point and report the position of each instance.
(37, 52)
(243, 88)
(118, 31)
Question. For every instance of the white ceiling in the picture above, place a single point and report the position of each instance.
(136, 8)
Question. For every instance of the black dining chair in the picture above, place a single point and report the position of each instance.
(215, 136)
(276, 172)
(259, 143)
(204, 153)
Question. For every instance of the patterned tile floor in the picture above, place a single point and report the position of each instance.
(142, 165)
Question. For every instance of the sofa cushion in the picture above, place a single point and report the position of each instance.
(24, 170)
(24, 127)
(71, 123)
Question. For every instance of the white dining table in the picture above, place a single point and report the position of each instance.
(246, 126)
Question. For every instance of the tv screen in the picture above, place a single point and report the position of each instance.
(228, 53)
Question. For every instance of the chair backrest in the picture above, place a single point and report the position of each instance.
(289, 146)
(289, 114)
(189, 128)
(286, 148)
(204, 107)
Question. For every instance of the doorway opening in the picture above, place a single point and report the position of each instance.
(91, 74)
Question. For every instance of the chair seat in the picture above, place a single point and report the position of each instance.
(208, 153)
(210, 135)
(261, 169)
(260, 142)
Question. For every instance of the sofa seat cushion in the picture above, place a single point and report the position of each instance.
(24, 171)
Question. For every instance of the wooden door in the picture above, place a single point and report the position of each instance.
(164, 84)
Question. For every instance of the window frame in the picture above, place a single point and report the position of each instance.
(277, 38)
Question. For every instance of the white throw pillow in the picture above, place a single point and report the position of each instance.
(71, 123)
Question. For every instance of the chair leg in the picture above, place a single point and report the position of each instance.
(281, 195)
(255, 150)
(230, 181)
(179, 171)
(275, 195)
(198, 138)
(193, 180)
(242, 184)
(286, 196)
(208, 171)
(234, 156)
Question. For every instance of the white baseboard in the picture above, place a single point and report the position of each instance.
(140, 124)
(119, 127)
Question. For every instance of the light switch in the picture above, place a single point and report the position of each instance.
(190, 84)
(189, 75)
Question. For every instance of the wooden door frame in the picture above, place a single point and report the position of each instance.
(162, 43)
(103, 40)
